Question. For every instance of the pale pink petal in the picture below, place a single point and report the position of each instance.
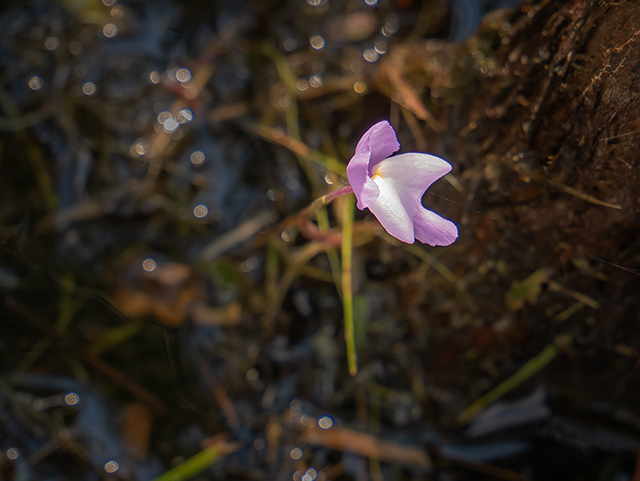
(432, 229)
(383, 142)
(364, 188)
(391, 212)
(412, 173)
(375, 145)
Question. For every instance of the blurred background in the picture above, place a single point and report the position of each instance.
(166, 315)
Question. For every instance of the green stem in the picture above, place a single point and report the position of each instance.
(193, 466)
(347, 291)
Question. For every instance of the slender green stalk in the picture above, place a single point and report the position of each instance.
(192, 466)
(530, 368)
(332, 253)
(347, 291)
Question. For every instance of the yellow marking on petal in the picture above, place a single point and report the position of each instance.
(377, 173)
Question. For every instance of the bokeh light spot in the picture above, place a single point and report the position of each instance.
(170, 125)
(296, 453)
(139, 148)
(200, 211)
(154, 77)
(72, 399)
(360, 87)
(325, 422)
(89, 88)
(250, 264)
(149, 264)
(35, 83)
(370, 55)
(310, 475)
(381, 47)
(317, 42)
(75, 47)
(316, 81)
(290, 44)
(110, 30)
(197, 157)
(183, 75)
(163, 116)
(51, 43)
(184, 116)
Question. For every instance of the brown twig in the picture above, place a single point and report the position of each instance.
(364, 444)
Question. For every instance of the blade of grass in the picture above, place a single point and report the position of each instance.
(298, 147)
(332, 252)
(68, 307)
(296, 263)
(360, 316)
(347, 292)
(113, 337)
(529, 369)
(284, 71)
(197, 463)
(432, 260)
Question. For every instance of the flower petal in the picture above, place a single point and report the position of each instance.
(382, 140)
(411, 174)
(432, 229)
(376, 144)
(391, 212)
(364, 188)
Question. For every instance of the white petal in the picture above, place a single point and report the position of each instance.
(391, 212)
(411, 174)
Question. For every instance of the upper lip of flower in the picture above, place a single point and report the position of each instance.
(392, 187)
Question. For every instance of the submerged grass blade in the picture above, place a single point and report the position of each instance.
(530, 368)
(347, 292)
(194, 465)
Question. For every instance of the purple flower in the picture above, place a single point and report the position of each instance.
(392, 187)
